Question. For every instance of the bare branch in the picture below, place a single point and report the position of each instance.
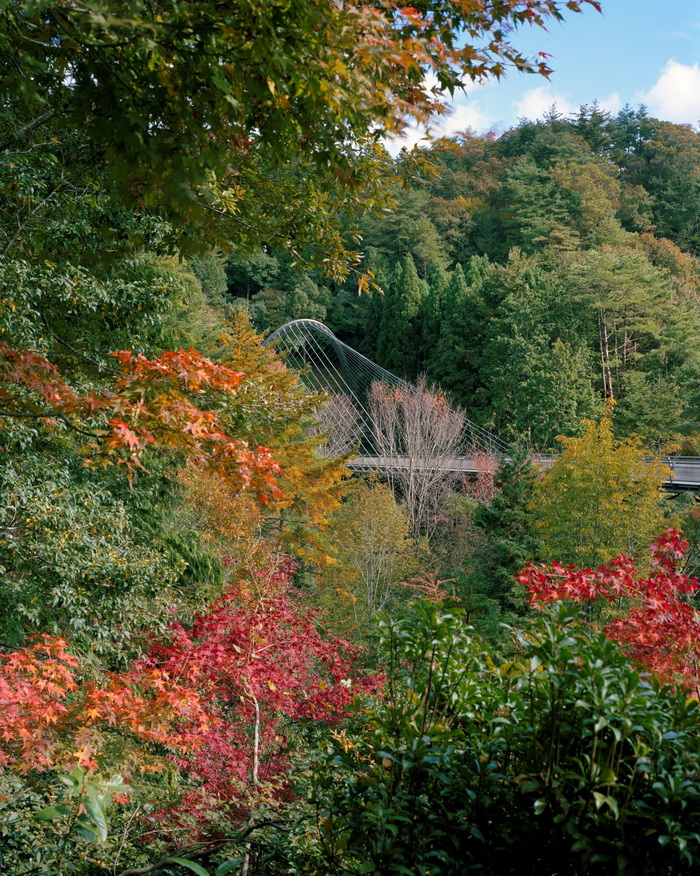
(418, 437)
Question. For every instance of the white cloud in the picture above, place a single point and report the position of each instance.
(465, 115)
(533, 104)
(675, 97)
(612, 103)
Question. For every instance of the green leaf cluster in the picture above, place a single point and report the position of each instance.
(568, 754)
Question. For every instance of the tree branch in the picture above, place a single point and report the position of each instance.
(30, 126)
(49, 415)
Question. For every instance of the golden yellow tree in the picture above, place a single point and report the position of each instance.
(600, 498)
(276, 408)
(373, 554)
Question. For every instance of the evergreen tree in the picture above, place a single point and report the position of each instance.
(210, 269)
(385, 311)
(509, 533)
(455, 357)
(593, 124)
(534, 369)
(407, 230)
(430, 315)
(374, 306)
(399, 336)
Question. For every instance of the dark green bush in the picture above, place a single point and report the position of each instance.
(567, 762)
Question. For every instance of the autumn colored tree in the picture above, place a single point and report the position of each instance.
(216, 701)
(275, 403)
(601, 497)
(417, 435)
(656, 623)
(151, 403)
(52, 717)
(258, 659)
(373, 552)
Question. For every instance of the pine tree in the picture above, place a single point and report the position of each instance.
(399, 336)
(510, 537)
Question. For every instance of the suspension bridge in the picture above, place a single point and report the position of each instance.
(394, 424)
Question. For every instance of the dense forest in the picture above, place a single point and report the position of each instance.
(531, 276)
(219, 651)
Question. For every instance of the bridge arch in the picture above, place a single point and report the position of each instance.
(329, 364)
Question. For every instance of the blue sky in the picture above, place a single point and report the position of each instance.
(637, 51)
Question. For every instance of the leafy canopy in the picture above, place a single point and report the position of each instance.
(600, 498)
(200, 108)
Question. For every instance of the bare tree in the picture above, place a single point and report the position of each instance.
(419, 442)
(340, 424)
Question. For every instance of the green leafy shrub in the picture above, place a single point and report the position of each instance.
(568, 761)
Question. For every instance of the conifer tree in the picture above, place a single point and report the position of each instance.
(454, 360)
(534, 372)
(431, 311)
(399, 338)
(510, 537)
(377, 265)
(387, 311)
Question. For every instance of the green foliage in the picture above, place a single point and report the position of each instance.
(69, 833)
(75, 563)
(601, 497)
(228, 121)
(369, 541)
(533, 363)
(509, 539)
(210, 269)
(406, 230)
(399, 337)
(302, 299)
(573, 290)
(567, 755)
(77, 315)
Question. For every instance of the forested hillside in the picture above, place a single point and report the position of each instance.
(219, 652)
(532, 276)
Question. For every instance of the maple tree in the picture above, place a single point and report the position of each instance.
(257, 658)
(51, 717)
(206, 110)
(217, 701)
(153, 402)
(659, 626)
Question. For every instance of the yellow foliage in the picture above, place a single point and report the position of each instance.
(600, 498)
(273, 407)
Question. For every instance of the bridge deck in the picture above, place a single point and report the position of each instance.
(686, 469)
